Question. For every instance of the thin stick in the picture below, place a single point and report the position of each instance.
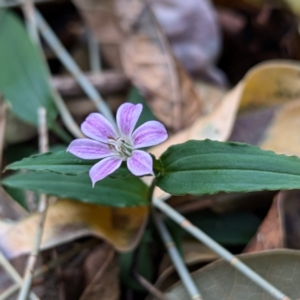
(148, 286)
(65, 115)
(43, 205)
(45, 268)
(3, 112)
(28, 10)
(73, 68)
(180, 267)
(94, 52)
(14, 275)
(11, 3)
(222, 252)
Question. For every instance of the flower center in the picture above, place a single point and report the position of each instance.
(120, 145)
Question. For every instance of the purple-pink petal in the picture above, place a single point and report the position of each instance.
(104, 168)
(89, 149)
(149, 134)
(140, 163)
(127, 116)
(98, 128)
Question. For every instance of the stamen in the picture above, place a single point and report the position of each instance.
(119, 144)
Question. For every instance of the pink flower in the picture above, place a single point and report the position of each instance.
(115, 146)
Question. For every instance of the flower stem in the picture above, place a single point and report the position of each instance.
(222, 252)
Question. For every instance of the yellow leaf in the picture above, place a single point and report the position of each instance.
(68, 220)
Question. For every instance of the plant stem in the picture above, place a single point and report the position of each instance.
(222, 252)
(72, 67)
(43, 205)
(14, 274)
(180, 267)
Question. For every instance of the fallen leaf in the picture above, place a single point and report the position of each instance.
(101, 273)
(271, 233)
(281, 226)
(148, 60)
(68, 220)
(219, 280)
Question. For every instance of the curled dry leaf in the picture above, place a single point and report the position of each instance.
(281, 226)
(68, 220)
(269, 84)
(149, 62)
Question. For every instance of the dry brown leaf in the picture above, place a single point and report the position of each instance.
(149, 62)
(270, 234)
(101, 273)
(281, 226)
(101, 19)
(270, 83)
(68, 220)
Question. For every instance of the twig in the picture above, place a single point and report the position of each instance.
(73, 68)
(3, 112)
(148, 286)
(42, 208)
(45, 268)
(180, 267)
(105, 82)
(14, 275)
(222, 252)
(65, 116)
(11, 3)
(94, 52)
(28, 10)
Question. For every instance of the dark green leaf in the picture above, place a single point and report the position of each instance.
(18, 195)
(61, 162)
(223, 228)
(208, 167)
(23, 76)
(130, 191)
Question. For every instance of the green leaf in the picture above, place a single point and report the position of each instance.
(122, 192)
(18, 195)
(219, 280)
(208, 167)
(23, 76)
(61, 162)
(223, 228)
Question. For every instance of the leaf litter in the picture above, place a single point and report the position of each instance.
(252, 96)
